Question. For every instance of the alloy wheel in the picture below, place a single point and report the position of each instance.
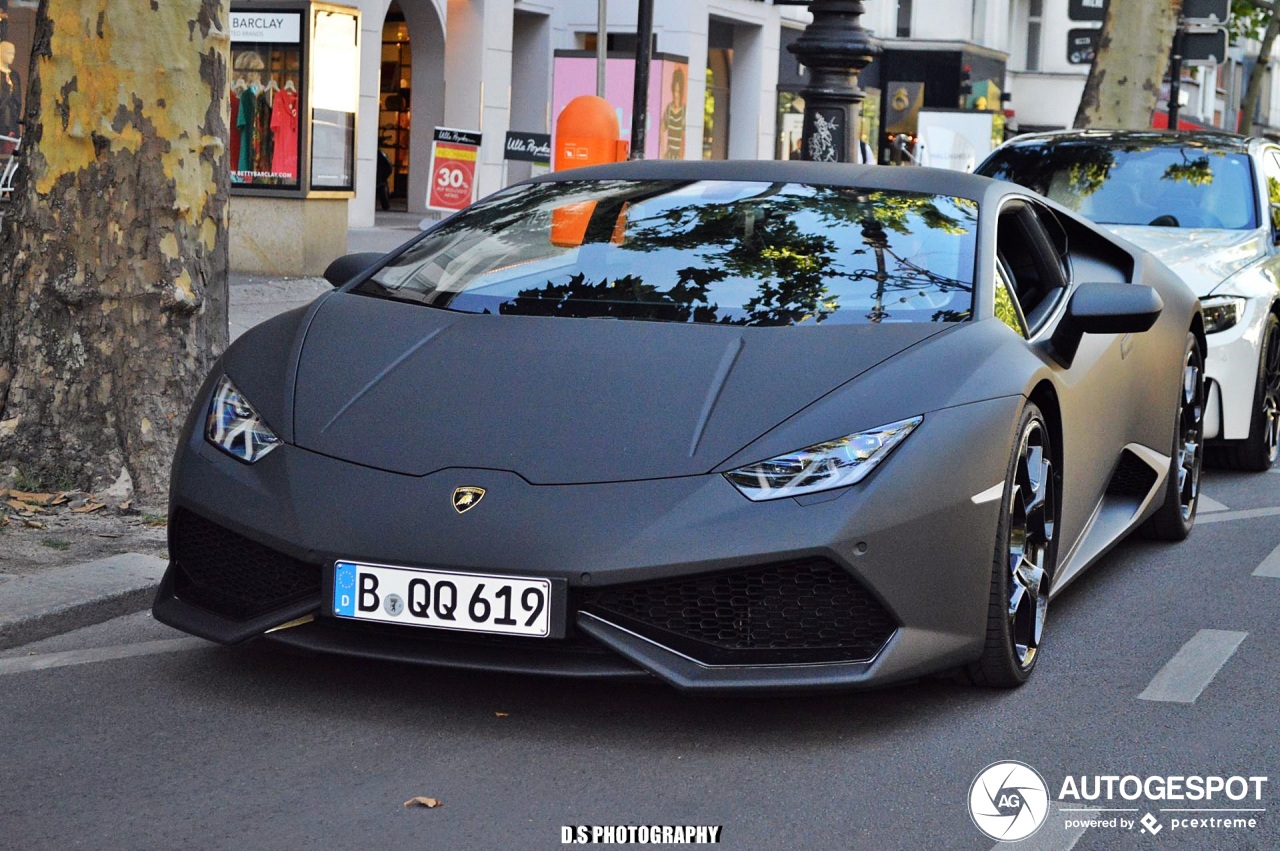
(1190, 430)
(1032, 511)
(1271, 395)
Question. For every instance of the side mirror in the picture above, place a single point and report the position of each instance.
(1104, 309)
(347, 267)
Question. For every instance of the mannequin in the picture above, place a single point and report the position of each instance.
(10, 96)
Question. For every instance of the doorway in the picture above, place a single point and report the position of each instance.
(394, 114)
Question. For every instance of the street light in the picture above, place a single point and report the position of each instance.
(835, 48)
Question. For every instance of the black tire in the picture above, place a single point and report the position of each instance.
(1025, 559)
(1177, 514)
(1257, 453)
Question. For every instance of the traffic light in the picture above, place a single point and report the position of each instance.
(966, 81)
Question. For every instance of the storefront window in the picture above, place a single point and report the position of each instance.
(266, 80)
(334, 96)
(17, 29)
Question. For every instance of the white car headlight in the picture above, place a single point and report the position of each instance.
(833, 464)
(1221, 312)
(235, 427)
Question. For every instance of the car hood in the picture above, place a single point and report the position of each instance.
(560, 401)
(1202, 257)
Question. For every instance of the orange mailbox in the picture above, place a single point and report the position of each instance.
(587, 134)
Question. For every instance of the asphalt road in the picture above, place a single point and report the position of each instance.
(1161, 660)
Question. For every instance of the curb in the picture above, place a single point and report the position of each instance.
(58, 601)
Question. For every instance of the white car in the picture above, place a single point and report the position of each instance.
(1208, 205)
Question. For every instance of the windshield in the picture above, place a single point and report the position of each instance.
(741, 253)
(1137, 183)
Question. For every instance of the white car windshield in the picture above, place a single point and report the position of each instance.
(1140, 181)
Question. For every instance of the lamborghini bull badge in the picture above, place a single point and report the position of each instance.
(465, 499)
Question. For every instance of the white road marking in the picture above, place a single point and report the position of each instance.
(1243, 514)
(1208, 503)
(992, 493)
(1054, 835)
(44, 661)
(1270, 566)
(1193, 667)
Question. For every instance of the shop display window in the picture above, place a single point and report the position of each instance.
(294, 89)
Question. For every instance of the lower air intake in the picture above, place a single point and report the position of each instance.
(229, 575)
(795, 612)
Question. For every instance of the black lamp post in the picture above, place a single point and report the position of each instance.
(835, 48)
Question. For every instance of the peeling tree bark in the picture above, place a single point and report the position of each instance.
(113, 257)
(1249, 105)
(1133, 53)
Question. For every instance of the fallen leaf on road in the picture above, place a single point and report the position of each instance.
(22, 506)
(33, 524)
(60, 498)
(85, 509)
(429, 803)
(503, 714)
(36, 498)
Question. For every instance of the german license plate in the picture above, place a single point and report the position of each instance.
(471, 602)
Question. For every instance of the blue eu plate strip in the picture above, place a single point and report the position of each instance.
(344, 589)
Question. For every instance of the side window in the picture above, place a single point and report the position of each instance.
(1007, 310)
(1032, 261)
(1271, 170)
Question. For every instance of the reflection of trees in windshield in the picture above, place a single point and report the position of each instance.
(783, 254)
(1196, 171)
(1140, 181)
(783, 241)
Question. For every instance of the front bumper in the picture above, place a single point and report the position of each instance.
(1231, 367)
(908, 553)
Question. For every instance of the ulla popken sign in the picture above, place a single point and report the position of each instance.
(528, 147)
(453, 168)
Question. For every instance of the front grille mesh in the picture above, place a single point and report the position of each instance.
(799, 611)
(230, 575)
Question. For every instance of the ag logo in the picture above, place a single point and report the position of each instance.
(465, 499)
(1008, 801)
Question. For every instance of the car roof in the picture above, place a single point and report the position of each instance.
(933, 181)
(1219, 140)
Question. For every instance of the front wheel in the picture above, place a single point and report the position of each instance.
(1175, 517)
(1025, 559)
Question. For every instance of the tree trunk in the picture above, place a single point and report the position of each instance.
(1249, 105)
(113, 257)
(1133, 53)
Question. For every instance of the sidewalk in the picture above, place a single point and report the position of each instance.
(55, 600)
(257, 298)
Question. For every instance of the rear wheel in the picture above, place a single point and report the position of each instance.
(1025, 559)
(1258, 451)
(1174, 519)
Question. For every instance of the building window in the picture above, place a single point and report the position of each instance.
(904, 18)
(1034, 20)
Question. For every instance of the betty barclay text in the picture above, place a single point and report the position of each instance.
(248, 22)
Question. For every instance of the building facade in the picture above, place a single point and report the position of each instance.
(492, 66)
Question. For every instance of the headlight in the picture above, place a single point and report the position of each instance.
(1221, 312)
(823, 466)
(235, 427)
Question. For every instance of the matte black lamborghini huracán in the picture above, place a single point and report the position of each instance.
(732, 425)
